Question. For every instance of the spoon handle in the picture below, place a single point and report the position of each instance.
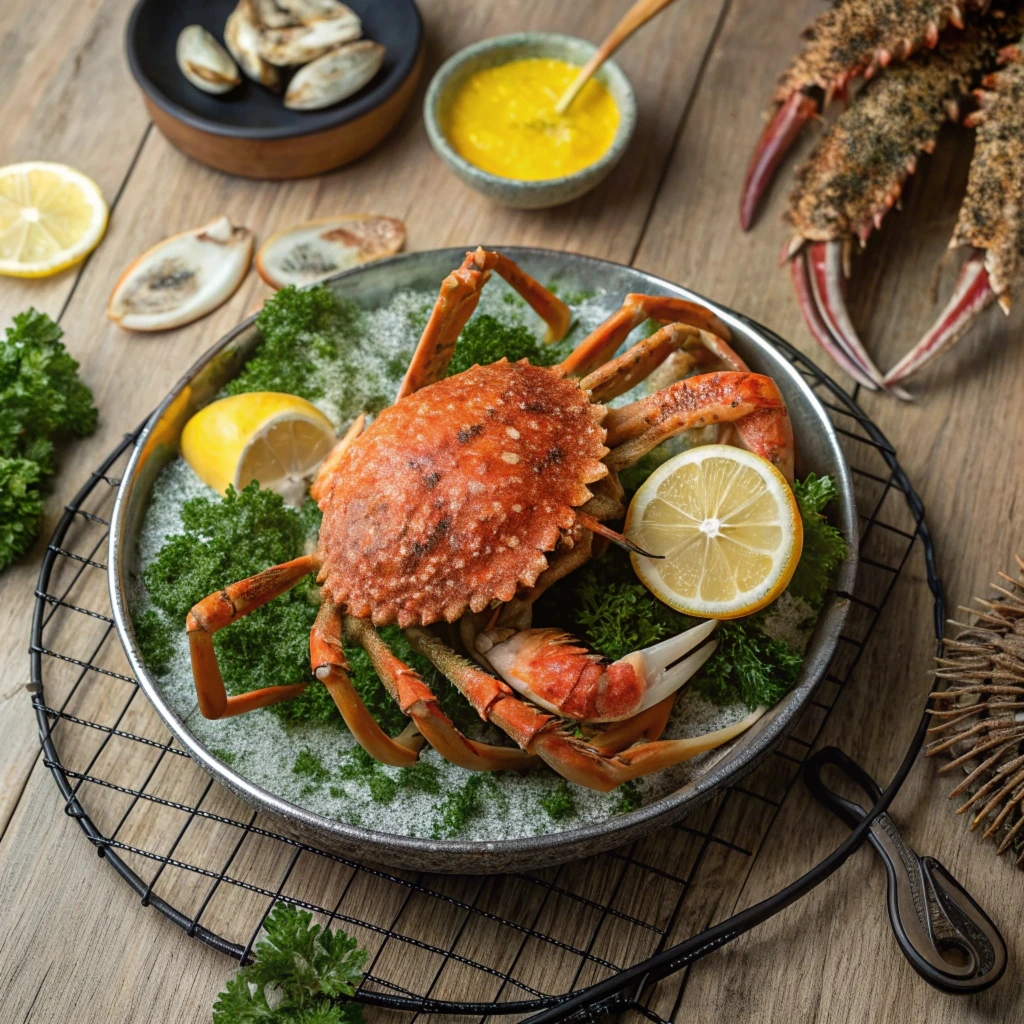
(640, 13)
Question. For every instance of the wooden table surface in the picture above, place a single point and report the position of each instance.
(75, 945)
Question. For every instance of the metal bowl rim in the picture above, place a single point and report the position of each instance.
(452, 855)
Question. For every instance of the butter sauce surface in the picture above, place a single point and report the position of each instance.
(503, 120)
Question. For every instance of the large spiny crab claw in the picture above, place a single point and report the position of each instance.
(854, 38)
(551, 669)
(991, 218)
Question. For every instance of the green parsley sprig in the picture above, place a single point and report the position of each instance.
(299, 973)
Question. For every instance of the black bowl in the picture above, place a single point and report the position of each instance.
(251, 112)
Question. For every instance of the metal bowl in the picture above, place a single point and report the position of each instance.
(372, 285)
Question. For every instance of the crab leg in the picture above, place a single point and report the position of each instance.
(330, 667)
(460, 293)
(825, 264)
(417, 701)
(973, 294)
(575, 759)
(549, 668)
(818, 327)
(775, 142)
(618, 375)
(750, 401)
(647, 725)
(222, 608)
(853, 38)
(602, 342)
(856, 173)
(991, 218)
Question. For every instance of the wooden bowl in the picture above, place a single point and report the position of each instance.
(249, 131)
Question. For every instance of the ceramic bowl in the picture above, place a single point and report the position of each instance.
(249, 131)
(372, 285)
(526, 195)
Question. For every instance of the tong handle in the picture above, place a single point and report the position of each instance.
(948, 939)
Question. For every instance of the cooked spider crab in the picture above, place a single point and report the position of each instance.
(859, 166)
(466, 500)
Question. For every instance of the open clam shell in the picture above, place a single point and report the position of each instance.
(204, 62)
(312, 251)
(300, 44)
(242, 38)
(182, 278)
(335, 76)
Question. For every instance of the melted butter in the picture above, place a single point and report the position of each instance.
(503, 120)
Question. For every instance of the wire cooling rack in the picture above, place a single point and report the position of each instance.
(481, 946)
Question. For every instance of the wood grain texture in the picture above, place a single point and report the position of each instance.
(671, 207)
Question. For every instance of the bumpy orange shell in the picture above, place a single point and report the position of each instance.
(454, 495)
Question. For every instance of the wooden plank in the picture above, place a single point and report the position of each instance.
(831, 957)
(57, 67)
(167, 193)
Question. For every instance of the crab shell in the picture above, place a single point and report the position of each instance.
(455, 494)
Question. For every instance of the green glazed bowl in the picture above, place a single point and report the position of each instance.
(526, 195)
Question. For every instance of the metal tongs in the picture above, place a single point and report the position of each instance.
(948, 939)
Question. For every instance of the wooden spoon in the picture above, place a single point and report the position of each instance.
(639, 14)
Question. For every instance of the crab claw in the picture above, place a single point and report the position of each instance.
(973, 294)
(778, 136)
(819, 281)
(551, 670)
(800, 271)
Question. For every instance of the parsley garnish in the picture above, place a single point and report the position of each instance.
(298, 974)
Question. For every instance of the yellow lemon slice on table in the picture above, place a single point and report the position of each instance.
(278, 439)
(51, 217)
(728, 525)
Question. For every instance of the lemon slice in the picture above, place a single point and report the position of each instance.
(728, 525)
(278, 439)
(51, 217)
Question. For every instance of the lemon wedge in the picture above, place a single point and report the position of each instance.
(278, 439)
(51, 217)
(728, 526)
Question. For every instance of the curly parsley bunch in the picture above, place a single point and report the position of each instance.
(41, 402)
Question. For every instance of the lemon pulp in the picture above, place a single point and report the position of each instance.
(51, 217)
(277, 439)
(503, 120)
(728, 526)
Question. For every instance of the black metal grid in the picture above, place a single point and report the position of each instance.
(474, 945)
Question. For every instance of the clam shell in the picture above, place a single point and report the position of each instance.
(204, 62)
(300, 44)
(242, 38)
(308, 11)
(182, 278)
(269, 14)
(310, 252)
(335, 76)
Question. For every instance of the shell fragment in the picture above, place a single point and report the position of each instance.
(204, 62)
(182, 278)
(335, 76)
(300, 44)
(242, 37)
(312, 251)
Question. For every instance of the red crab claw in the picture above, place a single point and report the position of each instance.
(555, 672)
(973, 294)
(818, 278)
(776, 140)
